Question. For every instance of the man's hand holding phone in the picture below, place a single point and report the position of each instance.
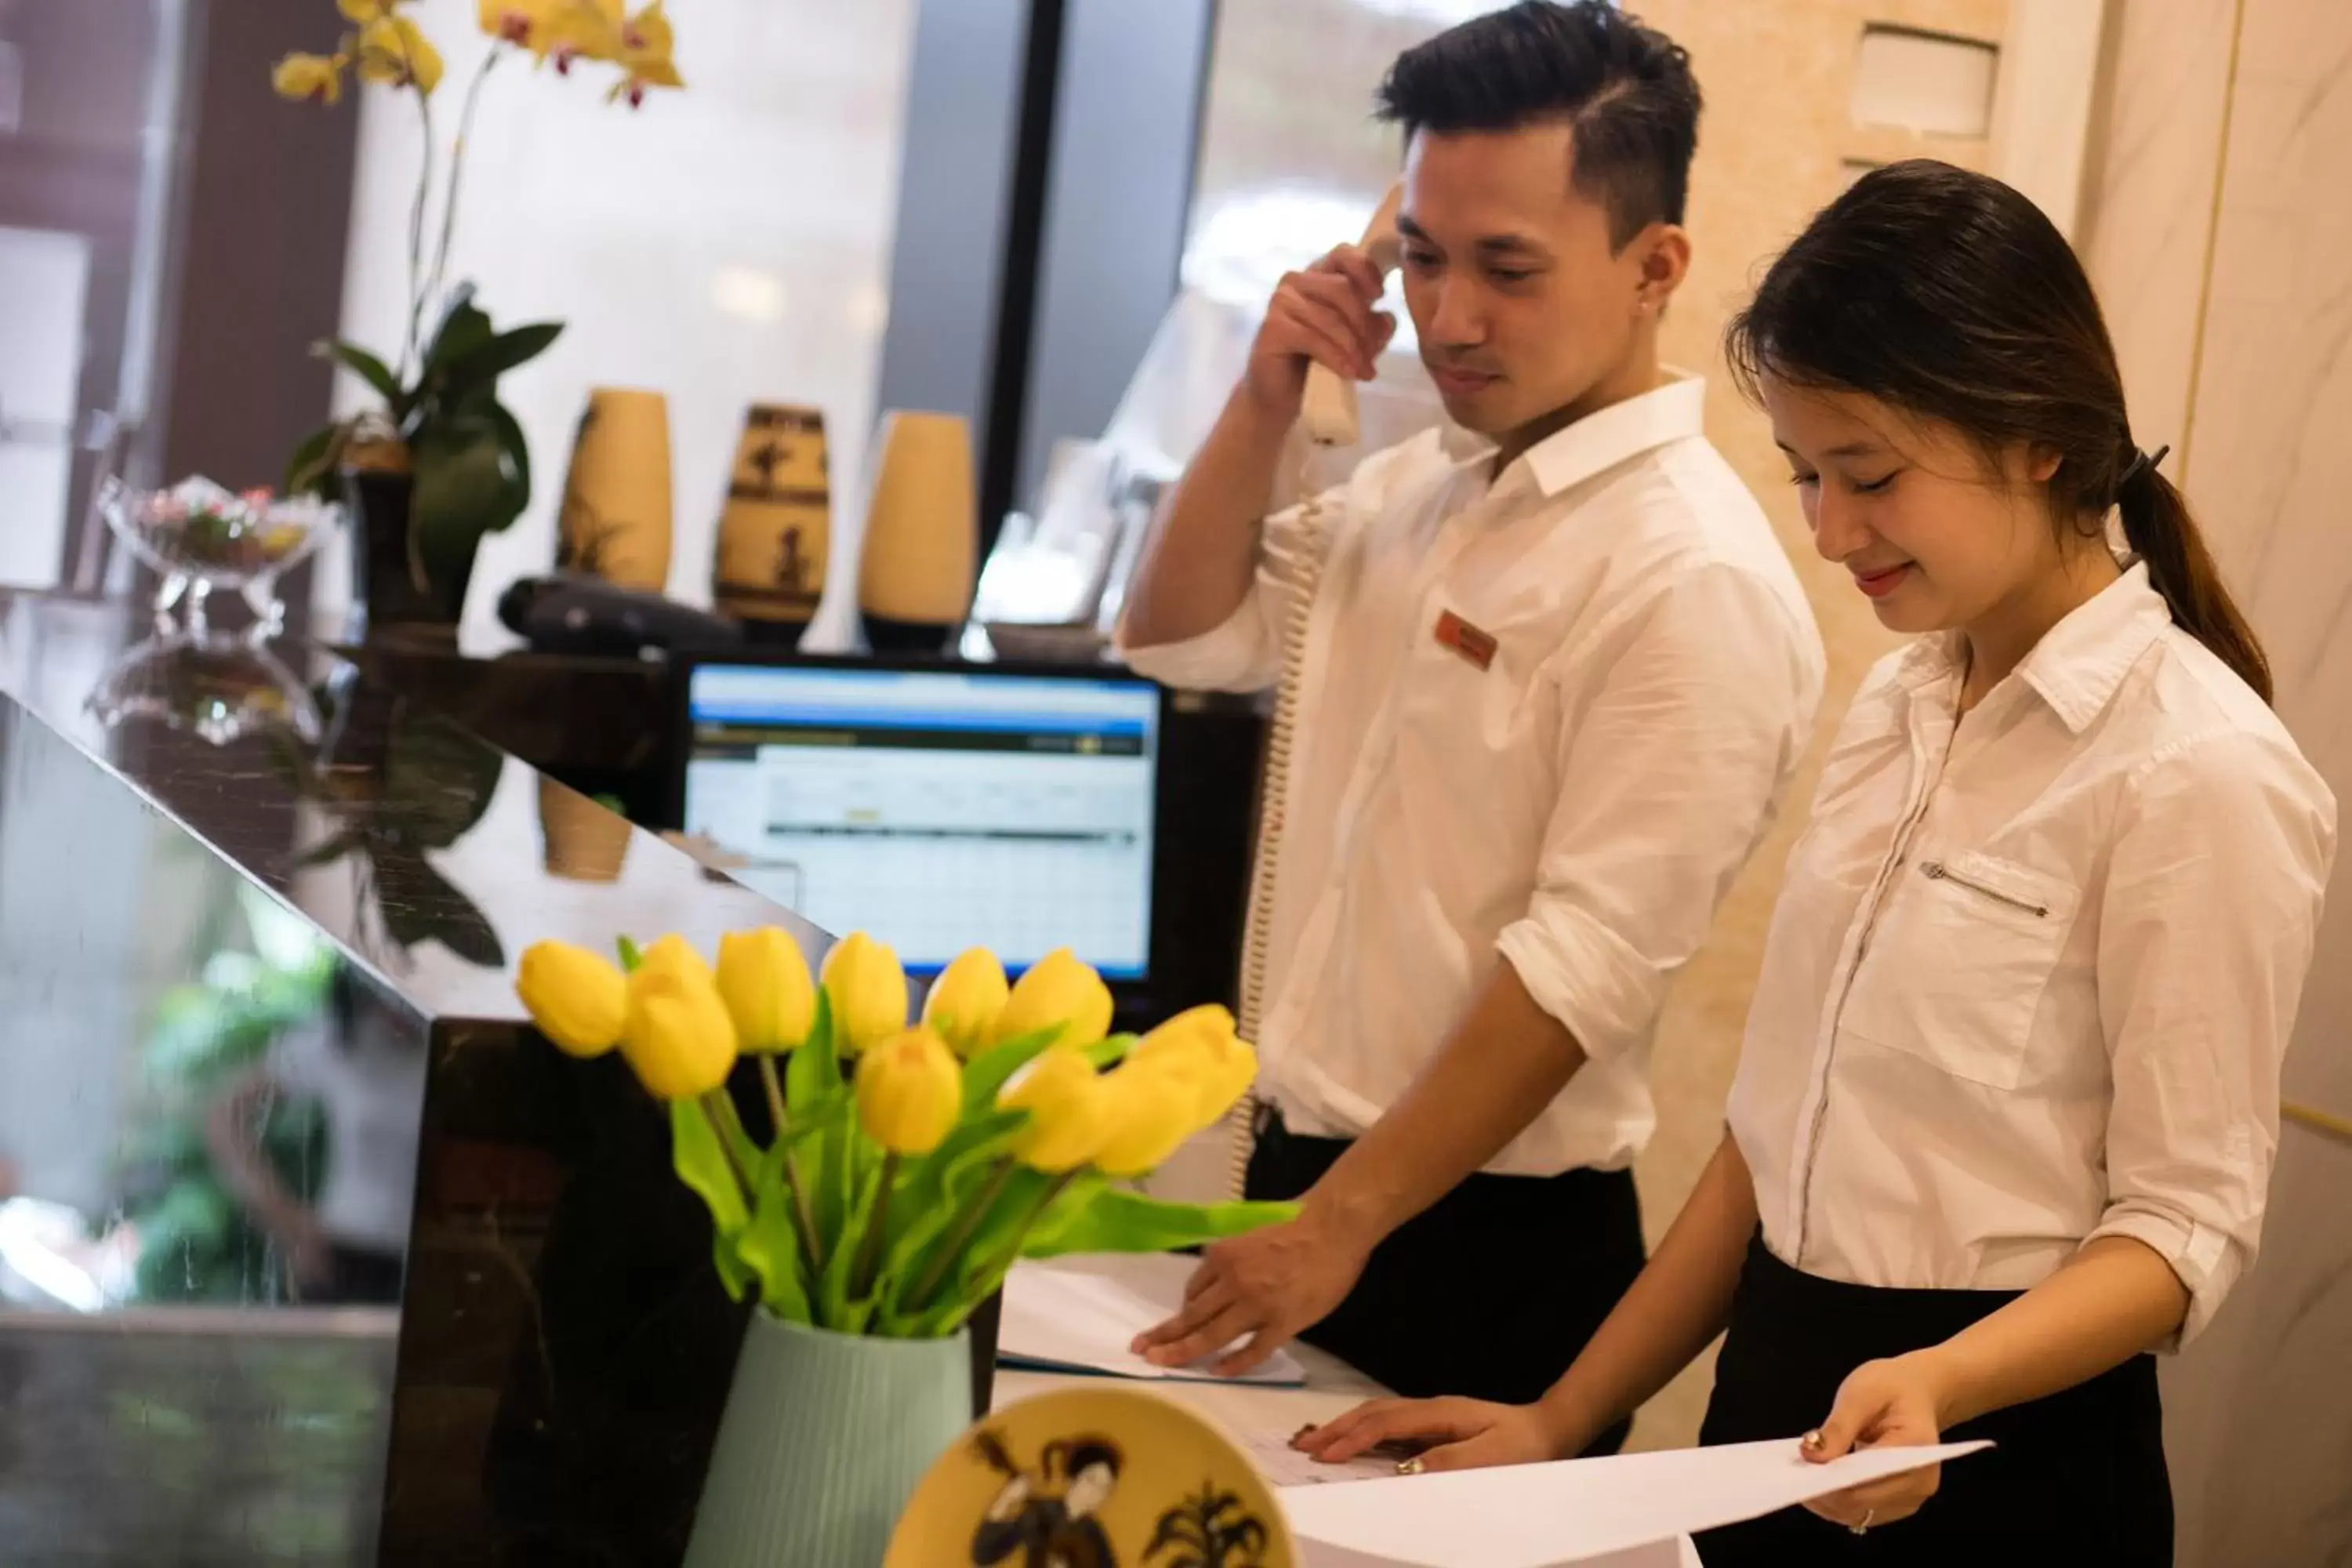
(1325, 315)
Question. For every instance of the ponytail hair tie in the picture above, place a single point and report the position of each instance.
(2141, 463)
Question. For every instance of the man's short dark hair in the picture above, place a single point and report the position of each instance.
(1625, 92)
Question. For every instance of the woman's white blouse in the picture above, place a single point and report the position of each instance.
(2032, 971)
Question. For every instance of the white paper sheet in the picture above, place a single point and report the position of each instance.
(1571, 1514)
(1285, 1465)
(1068, 1320)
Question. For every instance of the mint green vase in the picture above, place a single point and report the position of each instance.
(825, 1438)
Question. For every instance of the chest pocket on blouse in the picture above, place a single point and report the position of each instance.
(1957, 963)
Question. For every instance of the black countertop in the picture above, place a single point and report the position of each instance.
(562, 1348)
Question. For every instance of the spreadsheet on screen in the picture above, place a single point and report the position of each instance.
(938, 810)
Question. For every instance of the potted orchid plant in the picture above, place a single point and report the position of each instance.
(908, 1166)
(442, 462)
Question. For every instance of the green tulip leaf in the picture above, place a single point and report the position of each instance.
(1109, 1053)
(632, 956)
(702, 1163)
(987, 1074)
(1118, 1219)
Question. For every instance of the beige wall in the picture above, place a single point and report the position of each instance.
(1773, 147)
(2220, 233)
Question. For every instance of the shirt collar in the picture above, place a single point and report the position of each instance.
(2079, 663)
(1669, 412)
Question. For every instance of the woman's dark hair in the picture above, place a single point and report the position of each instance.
(1624, 90)
(1949, 296)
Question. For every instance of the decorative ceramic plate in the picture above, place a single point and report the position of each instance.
(1093, 1477)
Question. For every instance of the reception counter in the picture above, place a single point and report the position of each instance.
(310, 1252)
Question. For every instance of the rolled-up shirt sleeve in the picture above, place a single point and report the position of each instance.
(1678, 733)
(2207, 924)
(1244, 653)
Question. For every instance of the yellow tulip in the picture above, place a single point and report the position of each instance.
(1057, 990)
(578, 1000)
(309, 78)
(1150, 1112)
(395, 52)
(678, 1036)
(362, 12)
(1068, 1106)
(965, 1002)
(868, 991)
(909, 1092)
(1203, 1038)
(765, 984)
(674, 952)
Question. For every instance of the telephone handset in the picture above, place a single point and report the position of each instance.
(1328, 413)
(1328, 410)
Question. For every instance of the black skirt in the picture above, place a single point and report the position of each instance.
(2077, 1479)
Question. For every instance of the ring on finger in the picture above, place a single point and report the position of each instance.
(1412, 1467)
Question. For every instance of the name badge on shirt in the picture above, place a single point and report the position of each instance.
(1476, 646)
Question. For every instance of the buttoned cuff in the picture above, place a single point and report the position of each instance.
(1232, 657)
(1585, 975)
(2200, 1255)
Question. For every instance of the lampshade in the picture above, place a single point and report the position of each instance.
(774, 532)
(914, 576)
(617, 503)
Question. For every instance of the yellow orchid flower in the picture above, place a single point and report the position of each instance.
(965, 1001)
(311, 79)
(1057, 990)
(519, 22)
(648, 43)
(868, 990)
(678, 1038)
(572, 30)
(578, 1000)
(395, 52)
(765, 984)
(909, 1092)
(1069, 1107)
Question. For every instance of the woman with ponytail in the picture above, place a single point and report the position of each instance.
(2005, 1112)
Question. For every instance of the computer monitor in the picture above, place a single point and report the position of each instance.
(940, 809)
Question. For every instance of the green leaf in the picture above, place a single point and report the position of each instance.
(935, 1192)
(464, 331)
(370, 369)
(814, 1070)
(516, 447)
(311, 466)
(464, 489)
(1118, 1219)
(1109, 1053)
(508, 350)
(702, 1166)
(771, 1245)
(986, 1074)
(631, 954)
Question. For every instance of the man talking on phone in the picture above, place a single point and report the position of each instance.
(1555, 670)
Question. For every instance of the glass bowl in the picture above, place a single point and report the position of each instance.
(199, 537)
(217, 686)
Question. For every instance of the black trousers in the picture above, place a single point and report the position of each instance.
(1490, 1292)
(2078, 1478)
